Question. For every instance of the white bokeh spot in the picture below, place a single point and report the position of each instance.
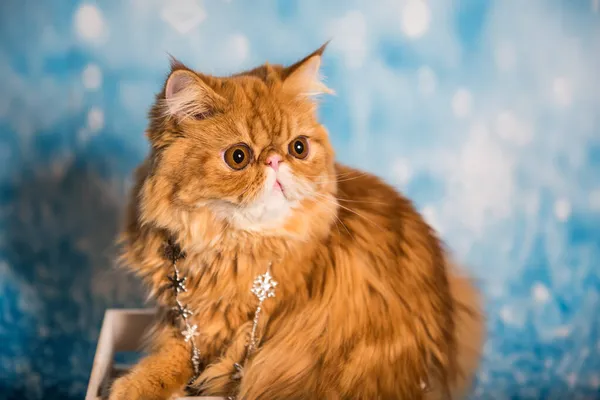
(595, 381)
(540, 293)
(426, 80)
(402, 171)
(572, 379)
(238, 46)
(507, 315)
(512, 129)
(496, 290)
(431, 216)
(416, 17)
(95, 119)
(505, 57)
(562, 209)
(461, 103)
(350, 33)
(89, 23)
(92, 77)
(61, 165)
(520, 377)
(562, 332)
(183, 15)
(480, 183)
(563, 91)
(594, 200)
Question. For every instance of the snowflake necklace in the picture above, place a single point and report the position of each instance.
(263, 288)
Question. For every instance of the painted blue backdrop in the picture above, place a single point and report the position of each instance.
(486, 113)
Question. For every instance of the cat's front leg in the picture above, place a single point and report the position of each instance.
(223, 376)
(158, 376)
(283, 372)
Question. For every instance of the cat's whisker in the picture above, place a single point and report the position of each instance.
(338, 219)
(310, 192)
(339, 176)
(362, 201)
(350, 210)
(335, 175)
(318, 195)
(326, 180)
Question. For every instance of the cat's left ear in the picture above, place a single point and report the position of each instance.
(187, 95)
(304, 77)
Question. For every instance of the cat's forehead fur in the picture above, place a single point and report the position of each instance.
(269, 99)
(256, 106)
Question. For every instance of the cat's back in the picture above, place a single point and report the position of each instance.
(370, 206)
(380, 238)
(386, 269)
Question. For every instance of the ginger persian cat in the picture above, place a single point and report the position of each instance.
(242, 175)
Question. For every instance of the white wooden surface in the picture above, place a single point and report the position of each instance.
(121, 331)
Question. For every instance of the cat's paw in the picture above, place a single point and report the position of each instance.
(219, 378)
(125, 388)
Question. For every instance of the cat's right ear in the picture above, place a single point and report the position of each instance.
(304, 77)
(188, 96)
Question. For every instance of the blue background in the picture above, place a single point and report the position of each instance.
(486, 113)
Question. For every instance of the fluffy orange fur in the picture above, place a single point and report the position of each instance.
(368, 304)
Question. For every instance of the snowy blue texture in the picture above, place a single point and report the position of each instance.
(486, 113)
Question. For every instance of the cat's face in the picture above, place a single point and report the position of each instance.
(249, 147)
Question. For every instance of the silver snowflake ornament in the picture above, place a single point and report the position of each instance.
(190, 332)
(177, 283)
(196, 360)
(239, 372)
(264, 286)
(182, 311)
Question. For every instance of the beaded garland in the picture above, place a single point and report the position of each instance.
(263, 288)
(177, 284)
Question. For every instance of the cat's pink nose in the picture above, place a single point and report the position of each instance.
(273, 161)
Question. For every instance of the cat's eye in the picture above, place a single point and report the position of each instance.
(299, 147)
(238, 156)
(202, 115)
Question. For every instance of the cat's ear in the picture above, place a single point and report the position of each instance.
(187, 95)
(304, 77)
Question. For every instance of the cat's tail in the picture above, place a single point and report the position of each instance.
(470, 331)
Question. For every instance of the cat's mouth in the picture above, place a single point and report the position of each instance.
(278, 187)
